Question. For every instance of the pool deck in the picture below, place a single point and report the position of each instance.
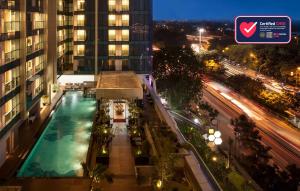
(30, 134)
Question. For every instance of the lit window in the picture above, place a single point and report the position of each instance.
(80, 20)
(125, 35)
(125, 50)
(125, 5)
(80, 35)
(112, 20)
(111, 35)
(80, 5)
(112, 5)
(112, 50)
(80, 50)
(125, 20)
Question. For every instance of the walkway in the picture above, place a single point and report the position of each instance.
(121, 162)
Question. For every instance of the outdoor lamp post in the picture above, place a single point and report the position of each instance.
(214, 137)
(201, 30)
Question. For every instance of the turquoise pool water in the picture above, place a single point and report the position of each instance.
(64, 143)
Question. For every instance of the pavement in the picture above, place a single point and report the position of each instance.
(121, 163)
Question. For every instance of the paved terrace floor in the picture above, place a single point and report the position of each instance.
(121, 163)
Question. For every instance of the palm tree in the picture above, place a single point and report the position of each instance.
(97, 174)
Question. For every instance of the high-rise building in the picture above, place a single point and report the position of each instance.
(107, 35)
(23, 56)
(42, 39)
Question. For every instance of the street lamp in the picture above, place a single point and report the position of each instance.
(215, 137)
(201, 30)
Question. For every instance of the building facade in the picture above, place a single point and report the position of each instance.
(108, 35)
(42, 39)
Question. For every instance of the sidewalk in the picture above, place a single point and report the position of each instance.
(28, 134)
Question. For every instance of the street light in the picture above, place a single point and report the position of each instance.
(201, 30)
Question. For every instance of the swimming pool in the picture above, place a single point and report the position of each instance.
(64, 143)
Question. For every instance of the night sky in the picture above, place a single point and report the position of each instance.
(223, 9)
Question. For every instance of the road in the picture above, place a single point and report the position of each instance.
(283, 139)
(269, 83)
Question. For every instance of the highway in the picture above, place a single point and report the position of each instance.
(269, 83)
(283, 139)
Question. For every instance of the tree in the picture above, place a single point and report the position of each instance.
(178, 75)
(97, 174)
(246, 85)
(249, 138)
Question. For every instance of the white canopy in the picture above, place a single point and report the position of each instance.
(119, 85)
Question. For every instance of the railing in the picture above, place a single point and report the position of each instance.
(80, 38)
(11, 56)
(125, 7)
(80, 53)
(60, 53)
(29, 49)
(39, 46)
(39, 67)
(112, 53)
(80, 22)
(11, 26)
(60, 38)
(172, 123)
(125, 53)
(29, 74)
(10, 115)
(38, 90)
(8, 87)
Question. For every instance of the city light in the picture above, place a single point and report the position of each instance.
(218, 141)
(159, 184)
(214, 158)
(196, 121)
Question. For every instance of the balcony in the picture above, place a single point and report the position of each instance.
(29, 49)
(37, 91)
(29, 74)
(79, 38)
(13, 84)
(10, 56)
(39, 46)
(60, 38)
(10, 115)
(39, 67)
(60, 53)
(12, 26)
